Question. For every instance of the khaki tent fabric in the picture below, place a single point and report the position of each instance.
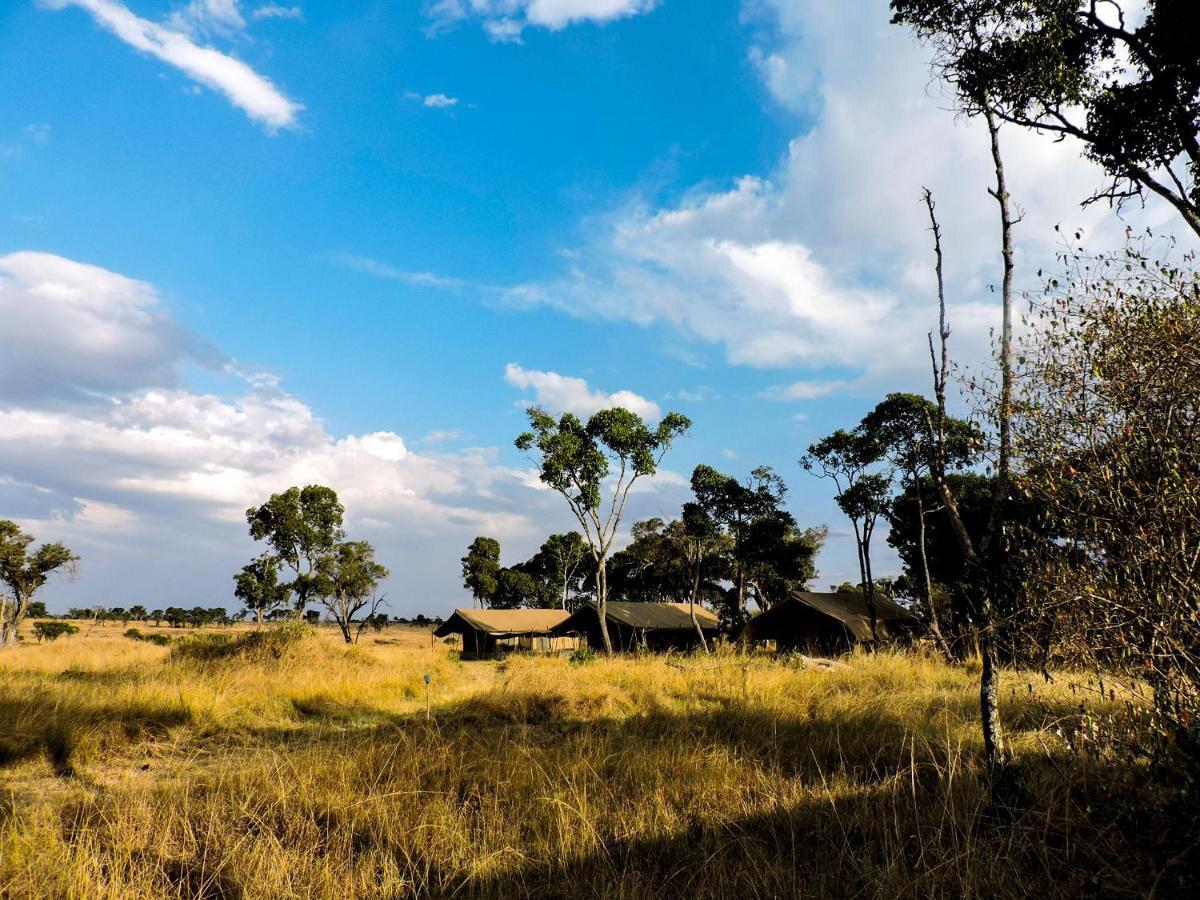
(663, 616)
(504, 621)
(846, 607)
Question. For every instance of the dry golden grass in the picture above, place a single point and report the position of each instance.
(129, 770)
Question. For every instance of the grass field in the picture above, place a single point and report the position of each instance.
(291, 766)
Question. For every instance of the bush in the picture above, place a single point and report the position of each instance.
(159, 640)
(582, 656)
(52, 630)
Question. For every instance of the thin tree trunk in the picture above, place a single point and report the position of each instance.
(934, 624)
(695, 592)
(869, 580)
(602, 602)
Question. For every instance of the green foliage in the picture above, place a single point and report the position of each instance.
(53, 630)
(480, 568)
(302, 525)
(1108, 428)
(515, 589)
(23, 573)
(766, 551)
(257, 585)
(37, 610)
(160, 640)
(351, 576)
(1129, 92)
(560, 569)
(575, 460)
(582, 656)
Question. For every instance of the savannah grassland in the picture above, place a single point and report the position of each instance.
(295, 767)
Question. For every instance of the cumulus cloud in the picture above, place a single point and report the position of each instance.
(251, 92)
(76, 331)
(562, 393)
(106, 446)
(825, 263)
(505, 20)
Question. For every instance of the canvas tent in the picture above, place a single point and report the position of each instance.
(655, 626)
(490, 632)
(828, 623)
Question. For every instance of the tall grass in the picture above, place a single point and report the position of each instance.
(318, 771)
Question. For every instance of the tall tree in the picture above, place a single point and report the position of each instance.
(983, 559)
(350, 582)
(564, 555)
(576, 461)
(902, 427)
(516, 588)
(302, 525)
(480, 567)
(22, 573)
(847, 458)
(650, 569)
(736, 506)
(702, 539)
(1083, 69)
(257, 585)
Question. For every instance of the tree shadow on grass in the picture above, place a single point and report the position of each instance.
(57, 727)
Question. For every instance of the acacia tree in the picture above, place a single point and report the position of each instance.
(350, 583)
(480, 569)
(1082, 69)
(22, 573)
(846, 458)
(902, 427)
(257, 585)
(302, 525)
(577, 460)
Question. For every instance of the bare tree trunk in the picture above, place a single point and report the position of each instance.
(993, 736)
(934, 624)
(692, 610)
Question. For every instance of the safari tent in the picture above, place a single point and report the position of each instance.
(655, 626)
(828, 623)
(492, 632)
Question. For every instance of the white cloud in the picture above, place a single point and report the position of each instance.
(73, 331)
(251, 92)
(505, 20)
(440, 101)
(208, 16)
(369, 266)
(824, 264)
(149, 479)
(274, 11)
(563, 393)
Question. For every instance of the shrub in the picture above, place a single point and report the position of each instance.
(159, 640)
(582, 656)
(52, 630)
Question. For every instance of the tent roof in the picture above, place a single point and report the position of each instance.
(647, 615)
(847, 607)
(503, 621)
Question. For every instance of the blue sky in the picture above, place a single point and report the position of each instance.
(245, 245)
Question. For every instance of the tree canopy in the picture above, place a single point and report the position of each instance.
(1083, 69)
